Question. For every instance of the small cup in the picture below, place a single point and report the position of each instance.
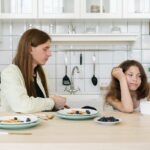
(145, 107)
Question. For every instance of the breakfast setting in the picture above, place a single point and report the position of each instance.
(75, 74)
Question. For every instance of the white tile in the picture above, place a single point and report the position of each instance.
(33, 24)
(79, 84)
(90, 88)
(15, 42)
(13, 54)
(89, 57)
(5, 57)
(2, 67)
(62, 47)
(79, 74)
(105, 57)
(137, 43)
(6, 43)
(75, 57)
(146, 42)
(62, 28)
(105, 27)
(60, 88)
(105, 71)
(79, 27)
(89, 71)
(6, 29)
(52, 59)
(146, 68)
(104, 82)
(45, 27)
(18, 28)
(90, 28)
(60, 57)
(51, 71)
(120, 47)
(122, 25)
(51, 85)
(134, 27)
(146, 56)
(119, 56)
(60, 72)
(135, 54)
(105, 47)
(145, 27)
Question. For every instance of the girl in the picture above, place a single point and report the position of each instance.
(23, 83)
(128, 86)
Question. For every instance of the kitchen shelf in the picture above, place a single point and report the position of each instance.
(92, 38)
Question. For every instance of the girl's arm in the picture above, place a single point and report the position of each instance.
(126, 103)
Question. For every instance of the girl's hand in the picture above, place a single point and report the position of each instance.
(118, 73)
(59, 101)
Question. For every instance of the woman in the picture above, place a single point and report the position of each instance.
(128, 86)
(23, 83)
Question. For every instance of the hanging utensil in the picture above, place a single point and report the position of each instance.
(66, 80)
(81, 59)
(94, 79)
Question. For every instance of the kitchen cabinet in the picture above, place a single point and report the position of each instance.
(101, 9)
(13, 9)
(74, 9)
(136, 9)
(59, 9)
(80, 9)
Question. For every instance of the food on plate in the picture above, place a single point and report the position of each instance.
(28, 120)
(79, 112)
(108, 119)
(14, 120)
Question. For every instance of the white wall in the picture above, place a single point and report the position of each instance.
(10, 33)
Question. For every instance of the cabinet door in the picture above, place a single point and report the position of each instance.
(63, 9)
(136, 9)
(101, 9)
(18, 9)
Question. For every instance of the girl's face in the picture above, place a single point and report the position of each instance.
(133, 77)
(41, 53)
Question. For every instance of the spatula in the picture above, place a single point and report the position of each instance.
(66, 80)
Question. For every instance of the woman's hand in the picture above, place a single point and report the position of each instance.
(59, 101)
(118, 73)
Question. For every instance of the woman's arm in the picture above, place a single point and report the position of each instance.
(126, 103)
(14, 94)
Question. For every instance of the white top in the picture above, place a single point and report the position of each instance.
(14, 97)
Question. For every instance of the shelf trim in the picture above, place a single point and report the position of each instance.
(93, 38)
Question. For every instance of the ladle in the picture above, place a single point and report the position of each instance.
(94, 78)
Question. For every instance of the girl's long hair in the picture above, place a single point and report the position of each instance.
(24, 60)
(114, 89)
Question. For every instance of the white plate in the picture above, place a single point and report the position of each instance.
(67, 111)
(22, 118)
(64, 114)
(20, 126)
(107, 123)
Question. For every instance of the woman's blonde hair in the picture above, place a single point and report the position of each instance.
(114, 88)
(23, 59)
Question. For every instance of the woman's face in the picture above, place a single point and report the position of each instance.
(41, 53)
(133, 77)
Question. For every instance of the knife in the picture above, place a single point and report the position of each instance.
(15, 133)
